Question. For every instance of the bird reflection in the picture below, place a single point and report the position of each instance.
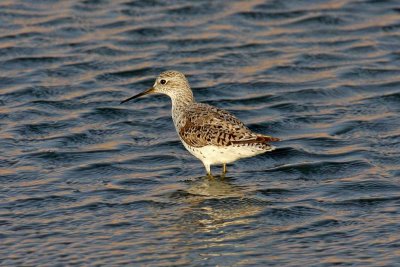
(218, 186)
(215, 203)
(209, 213)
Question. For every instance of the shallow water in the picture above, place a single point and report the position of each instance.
(86, 181)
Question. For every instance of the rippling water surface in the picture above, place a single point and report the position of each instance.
(84, 180)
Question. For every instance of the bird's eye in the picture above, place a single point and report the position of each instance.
(163, 81)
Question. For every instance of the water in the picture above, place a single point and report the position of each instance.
(86, 181)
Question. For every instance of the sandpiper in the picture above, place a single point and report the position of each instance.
(212, 135)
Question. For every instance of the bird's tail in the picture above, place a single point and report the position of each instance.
(267, 139)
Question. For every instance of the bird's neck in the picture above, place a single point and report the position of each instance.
(182, 99)
(179, 103)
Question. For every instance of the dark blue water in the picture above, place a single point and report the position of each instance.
(86, 181)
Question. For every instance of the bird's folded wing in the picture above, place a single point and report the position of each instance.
(207, 125)
(199, 136)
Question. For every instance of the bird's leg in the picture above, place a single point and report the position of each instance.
(208, 169)
(224, 169)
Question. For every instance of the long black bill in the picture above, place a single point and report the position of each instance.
(148, 91)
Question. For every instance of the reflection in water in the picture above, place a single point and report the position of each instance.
(215, 214)
(218, 186)
(218, 202)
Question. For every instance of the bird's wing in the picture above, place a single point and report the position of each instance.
(207, 125)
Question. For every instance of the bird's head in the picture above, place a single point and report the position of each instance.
(171, 83)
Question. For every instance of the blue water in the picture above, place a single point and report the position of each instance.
(87, 181)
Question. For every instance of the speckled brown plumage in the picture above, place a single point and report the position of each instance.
(203, 125)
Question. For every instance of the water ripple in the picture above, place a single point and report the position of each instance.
(91, 182)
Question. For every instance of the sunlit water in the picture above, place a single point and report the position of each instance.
(87, 181)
